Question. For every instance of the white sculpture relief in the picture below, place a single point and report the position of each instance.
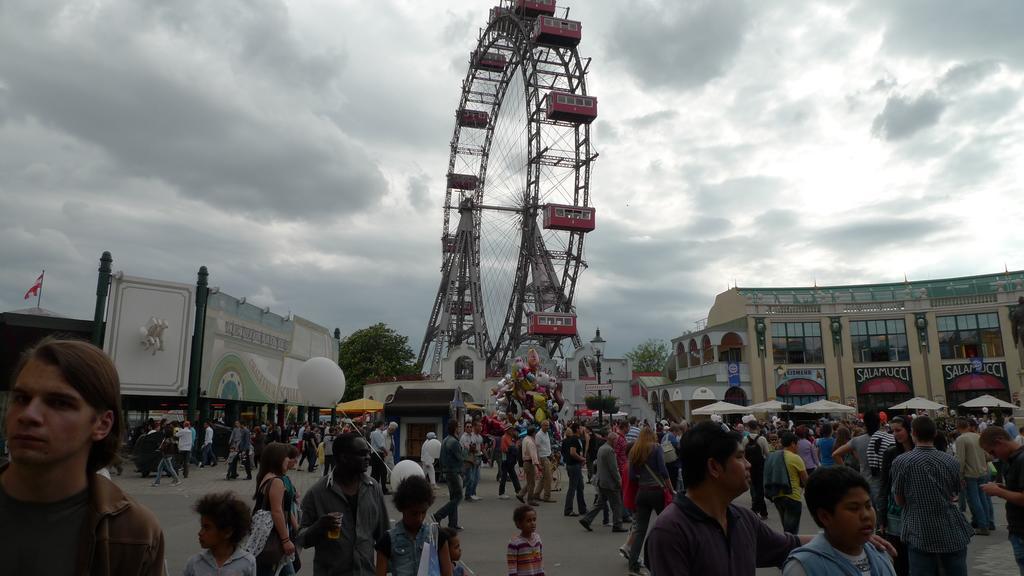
(153, 335)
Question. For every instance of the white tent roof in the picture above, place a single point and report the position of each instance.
(917, 403)
(987, 401)
(825, 407)
(769, 406)
(721, 408)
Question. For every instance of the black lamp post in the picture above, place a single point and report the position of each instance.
(597, 347)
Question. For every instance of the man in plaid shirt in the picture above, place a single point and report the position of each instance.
(925, 483)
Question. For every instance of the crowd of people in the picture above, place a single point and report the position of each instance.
(889, 496)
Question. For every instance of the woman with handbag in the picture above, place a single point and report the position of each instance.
(272, 495)
(654, 489)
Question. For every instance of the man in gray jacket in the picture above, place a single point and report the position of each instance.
(349, 500)
(239, 444)
(609, 486)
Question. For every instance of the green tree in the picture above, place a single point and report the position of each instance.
(649, 356)
(607, 404)
(374, 353)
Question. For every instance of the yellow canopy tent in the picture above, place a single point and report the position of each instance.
(360, 406)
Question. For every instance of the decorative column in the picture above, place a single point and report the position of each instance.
(196, 359)
(921, 322)
(334, 407)
(759, 328)
(836, 328)
(102, 289)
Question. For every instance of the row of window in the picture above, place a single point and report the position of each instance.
(797, 343)
(490, 58)
(575, 100)
(574, 214)
(563, 24)
(960, 337)
(879, 340)
(554, 320)
(969, 336)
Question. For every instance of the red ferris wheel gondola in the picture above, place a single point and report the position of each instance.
(530, 8)
(550, 31)
(570, 107)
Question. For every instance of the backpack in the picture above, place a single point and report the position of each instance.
(877, 446)
(776, 476)
(669, 450)
(753, 453)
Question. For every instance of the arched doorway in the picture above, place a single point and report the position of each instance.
(464, 368)
(736, 395)
(655, 401)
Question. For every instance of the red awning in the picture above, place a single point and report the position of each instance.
(885, 385)
(800, 387)
(977, 382)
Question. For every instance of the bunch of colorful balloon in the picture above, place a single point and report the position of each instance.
(528, 391)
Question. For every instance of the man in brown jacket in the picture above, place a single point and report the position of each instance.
(57, 515)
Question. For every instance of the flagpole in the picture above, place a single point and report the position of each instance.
(39, 296)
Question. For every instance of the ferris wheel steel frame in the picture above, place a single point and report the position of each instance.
(545, 279)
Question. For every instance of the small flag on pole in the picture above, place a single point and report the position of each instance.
(34, 290)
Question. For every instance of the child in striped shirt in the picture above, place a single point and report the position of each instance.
(525, 550)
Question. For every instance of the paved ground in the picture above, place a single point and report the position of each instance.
(568, 549)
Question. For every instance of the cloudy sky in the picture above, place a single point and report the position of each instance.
(298, 149)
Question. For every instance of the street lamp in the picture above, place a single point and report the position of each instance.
(597, 347)
(780, 373)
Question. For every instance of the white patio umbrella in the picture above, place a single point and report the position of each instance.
(987, 401)
(770, 406)
(721, 408)
(917, 403)
(825, 407)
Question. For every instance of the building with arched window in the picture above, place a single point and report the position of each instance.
(870, 346)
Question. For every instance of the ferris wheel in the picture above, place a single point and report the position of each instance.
(517, 200)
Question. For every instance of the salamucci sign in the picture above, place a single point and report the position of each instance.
(951, 372)
(862, 375)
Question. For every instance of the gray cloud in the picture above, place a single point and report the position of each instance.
(419, 191)
(903, 116)
(968, 75)
(975, 162)
(982, 109)
(948, 29)
(737, 195)
(653, 119)
(680, 45)
(221, 141)
(870, 236)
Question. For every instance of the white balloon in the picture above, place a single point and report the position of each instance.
(321, 382)
(431, 450)
(403, 470)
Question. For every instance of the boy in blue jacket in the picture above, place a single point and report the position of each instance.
(839, 500)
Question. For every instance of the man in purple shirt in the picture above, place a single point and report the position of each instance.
(702, 532)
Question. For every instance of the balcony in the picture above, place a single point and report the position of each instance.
(720, 370)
